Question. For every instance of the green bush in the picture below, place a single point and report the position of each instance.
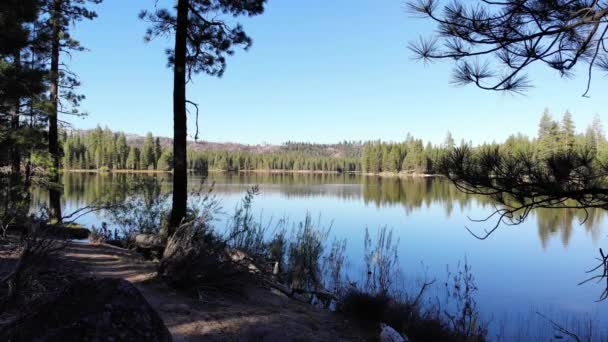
(304, 256)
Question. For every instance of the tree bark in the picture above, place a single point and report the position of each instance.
(180, 181)
(15, 150)
(54, 193)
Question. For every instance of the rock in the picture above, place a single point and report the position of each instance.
(240, 257)
(388, 334)
(89, 310)
(148, 241)
(276, 269)
(237, 255)
(149, 245)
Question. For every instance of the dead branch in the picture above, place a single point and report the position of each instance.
(560, 328)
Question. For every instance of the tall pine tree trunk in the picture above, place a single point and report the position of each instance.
(54, 193)
(15, 185)
(15, 150)
(180, 180)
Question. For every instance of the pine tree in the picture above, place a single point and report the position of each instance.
(591, 144)
(393, 160)
(165, 162)
(87, 160)
(598, 129)
(131, 162)
(202, 40)
(110, 158)
(567, 133)
(157, 152)
(68, 154)
(415, 160)
(366, 158)
(20, 81)
(98, 157)
(147, 153)
(62, 13)
(122, 150)
(431, 157)
(374, 158)
(449, 142)
(548, 136)
(84, 161)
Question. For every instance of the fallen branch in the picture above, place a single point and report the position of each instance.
(291, 292)
(426, 284)
(560, 328)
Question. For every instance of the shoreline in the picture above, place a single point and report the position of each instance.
(369, 174)
(113, 171)
(402, 174)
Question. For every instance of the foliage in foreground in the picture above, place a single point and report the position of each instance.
(300, 260)
(303, 263)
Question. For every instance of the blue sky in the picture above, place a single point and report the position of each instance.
(318, 71)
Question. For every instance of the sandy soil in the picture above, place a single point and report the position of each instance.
(261, 315)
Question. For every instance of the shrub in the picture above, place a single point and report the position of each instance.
(365, 307)
(406, 317)
(277, 248)
(100, 235)
(381, 261)
(34, 248)
(461, 289)
(244, 233)
(142, 214)
(14, 201)
(378, 300)
(195, 261)
(304, 256)
(333, 266)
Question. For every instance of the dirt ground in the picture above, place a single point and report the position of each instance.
(261, 315)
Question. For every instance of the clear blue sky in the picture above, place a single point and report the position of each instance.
(318, 71)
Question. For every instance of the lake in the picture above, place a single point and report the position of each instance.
(535, 266)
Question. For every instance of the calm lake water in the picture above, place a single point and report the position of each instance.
(535, 266)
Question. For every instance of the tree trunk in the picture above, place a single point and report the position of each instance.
(54, 193)
(15, 150)
(180, 181)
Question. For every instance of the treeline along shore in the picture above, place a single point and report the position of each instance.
(104, 150)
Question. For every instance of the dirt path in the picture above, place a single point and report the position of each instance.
(260, 316)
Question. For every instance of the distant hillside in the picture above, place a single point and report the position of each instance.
(344, 149)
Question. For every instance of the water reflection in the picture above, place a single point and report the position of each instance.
(562, 222)
(411, 194)
(535, 266)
